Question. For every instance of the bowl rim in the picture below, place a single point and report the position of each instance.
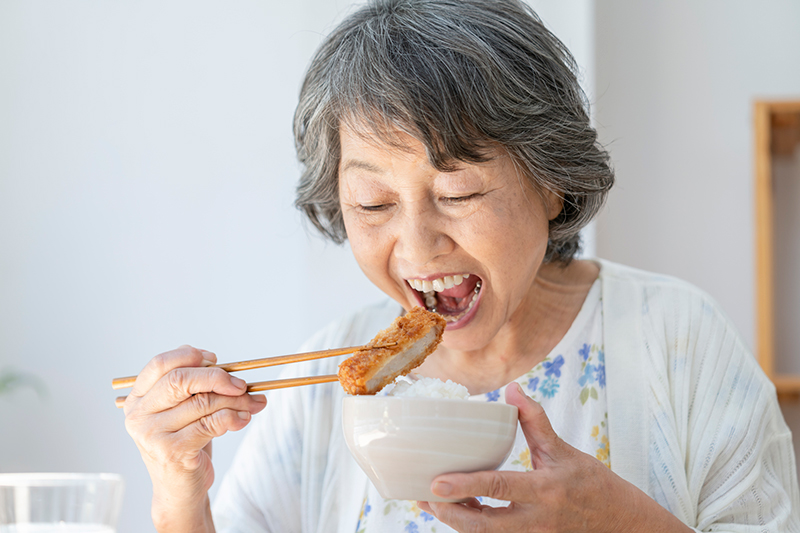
(368, 397)
(466, 403)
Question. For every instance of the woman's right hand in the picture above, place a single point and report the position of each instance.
(176, 407)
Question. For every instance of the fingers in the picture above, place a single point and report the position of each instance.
(472, 503)
(179, 384)
(204, 404)
(533, 421)
(425, 506)
(158, 366)
(198, 434)
(566, 490)
(475, 518)
(178, 435)
(169, 456)
(508, 486)
(176, 393)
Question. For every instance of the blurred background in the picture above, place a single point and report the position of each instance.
(147, 173)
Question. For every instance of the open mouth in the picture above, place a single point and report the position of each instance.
(453, 297)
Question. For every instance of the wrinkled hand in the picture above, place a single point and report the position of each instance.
(566, 491)
(177, 406)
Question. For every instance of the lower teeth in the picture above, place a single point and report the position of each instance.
(430, 303)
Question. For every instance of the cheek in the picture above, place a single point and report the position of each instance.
(513, 239)
(360, 236)
(369, 248)
(513, 227)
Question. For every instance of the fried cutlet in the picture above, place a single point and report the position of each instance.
(417, 334)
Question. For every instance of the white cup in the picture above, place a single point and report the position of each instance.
(62, 503)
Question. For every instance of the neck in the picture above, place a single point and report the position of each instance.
(555, 299)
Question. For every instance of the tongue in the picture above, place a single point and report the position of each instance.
(457, 299)
(460, 291)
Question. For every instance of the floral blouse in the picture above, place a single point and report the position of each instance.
(570, 386)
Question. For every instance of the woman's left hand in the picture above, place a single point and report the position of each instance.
(567, 490)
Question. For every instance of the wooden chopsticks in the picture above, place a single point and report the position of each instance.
(121, 383)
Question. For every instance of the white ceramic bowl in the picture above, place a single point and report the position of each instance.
(404, 443)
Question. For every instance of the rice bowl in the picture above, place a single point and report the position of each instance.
(403, 443)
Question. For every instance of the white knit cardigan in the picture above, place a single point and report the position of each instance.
(692, 421)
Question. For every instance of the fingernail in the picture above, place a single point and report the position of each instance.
(209, 358)
(442, 488)
(260, 398)
(238, 382)
(244, 415)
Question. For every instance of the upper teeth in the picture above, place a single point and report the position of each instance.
(439, 284)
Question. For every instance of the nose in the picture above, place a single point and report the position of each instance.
(422, 237)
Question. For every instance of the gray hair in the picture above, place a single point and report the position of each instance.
(462, 77)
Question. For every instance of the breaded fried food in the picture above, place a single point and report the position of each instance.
(417, 334)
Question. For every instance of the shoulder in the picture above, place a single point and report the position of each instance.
(643, 279)
(653, 294)
(683, 339)
(676, 322)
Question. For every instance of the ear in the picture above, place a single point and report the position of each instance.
(553, 203)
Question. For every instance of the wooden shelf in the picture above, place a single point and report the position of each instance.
(777, 133)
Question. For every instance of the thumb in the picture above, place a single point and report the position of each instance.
(534, 422)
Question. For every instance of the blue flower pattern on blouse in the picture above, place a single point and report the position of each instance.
(588, 375)
(553, 368)
(578, 370)
(600, 370)
(584, 351)
(549, 388)
(594, 372)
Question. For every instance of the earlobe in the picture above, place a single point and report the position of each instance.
(554, 204)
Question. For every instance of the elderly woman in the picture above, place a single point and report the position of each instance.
(448, 142)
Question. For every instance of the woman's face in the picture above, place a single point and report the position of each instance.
(468, 243)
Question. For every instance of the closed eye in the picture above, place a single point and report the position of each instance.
(373, 208)
(454, 200)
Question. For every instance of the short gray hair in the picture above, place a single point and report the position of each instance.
(462, 77)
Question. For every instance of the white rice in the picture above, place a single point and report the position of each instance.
(417, 386)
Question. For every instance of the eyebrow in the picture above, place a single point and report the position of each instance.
(363, 165)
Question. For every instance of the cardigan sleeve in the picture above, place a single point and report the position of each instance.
(720, 452)
(261, 492)
(292, 472)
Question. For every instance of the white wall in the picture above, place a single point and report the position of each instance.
(146, 186)
(675, 87)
